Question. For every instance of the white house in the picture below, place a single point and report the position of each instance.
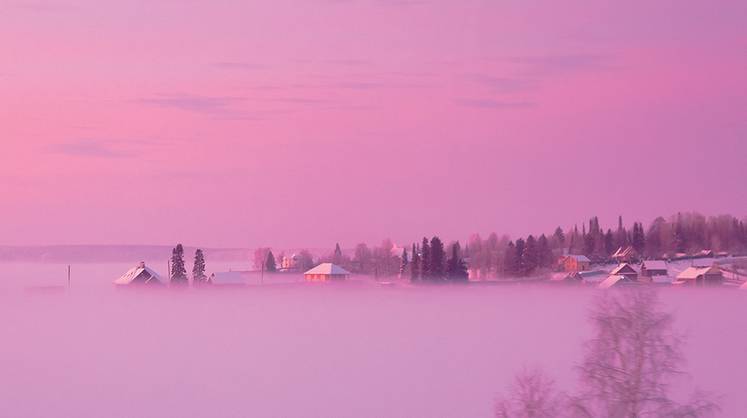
(139, 275)
(326, 271)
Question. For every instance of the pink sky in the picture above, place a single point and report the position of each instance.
(304, 123)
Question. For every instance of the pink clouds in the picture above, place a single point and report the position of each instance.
(242, 116)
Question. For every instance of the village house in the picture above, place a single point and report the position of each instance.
(625, 254)
(139, 275)
(574, 263)
(651, 268)
(325, 272)
(700, 276)
(625, 270)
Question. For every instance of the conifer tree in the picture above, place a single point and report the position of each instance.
(198, 270)
(415, 265)
(456, 267)
(337, 257)
(609, 243)
(530, 255)
(544, 252)
(622, 235)
(425, 260)
(270, 265)
(518, 267)
(403, 263)
(178, 271)
(509, 260)
(437, 259)
(559, 237)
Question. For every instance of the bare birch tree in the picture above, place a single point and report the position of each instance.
(627, 370)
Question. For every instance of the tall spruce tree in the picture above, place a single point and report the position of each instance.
(638, 238)
(415, 265)
(337, 256)
(178, 271)
(622, 235)
(519, 268)
(509, 260)
(437, 259)
(609, 243)
(403, 263)
(425, 260)
(544, 252)
(270, 265)
(558, 238)
(530, 257)
(198, 269)
(456, 269)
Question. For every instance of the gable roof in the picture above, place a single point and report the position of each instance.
(654, 265)
(580, 258)
(624, 252)
(611, 281)
(692, 273)
(623, 268)
(135, 272)
(328, 269)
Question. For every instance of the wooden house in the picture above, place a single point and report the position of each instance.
(700, 276)
(625, 270)
(651, 268)
(574, 263)
(326, 271)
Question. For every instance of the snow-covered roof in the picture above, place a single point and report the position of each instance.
(623, 252)
(581, 258)
(623, 268)
(655, 265)
(135, 272)
(592, 275)
(328, 269)
(611, 281)
(692, 273)
(227, 278)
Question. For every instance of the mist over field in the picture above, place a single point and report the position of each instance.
(295, 350)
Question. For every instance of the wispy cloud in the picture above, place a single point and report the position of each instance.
(209, 105)
(495, 104)
(238, 65)
(502, 84)
(560, 64)
(95, 148)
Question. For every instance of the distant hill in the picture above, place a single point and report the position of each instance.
(110, 253)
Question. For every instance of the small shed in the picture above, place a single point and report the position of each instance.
(227, 278)
(326, 271)
(626, 270)
(700, 276)
(651, 268)
(573, 263)
(139, 275)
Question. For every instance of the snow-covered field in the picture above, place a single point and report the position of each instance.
(349, 349)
